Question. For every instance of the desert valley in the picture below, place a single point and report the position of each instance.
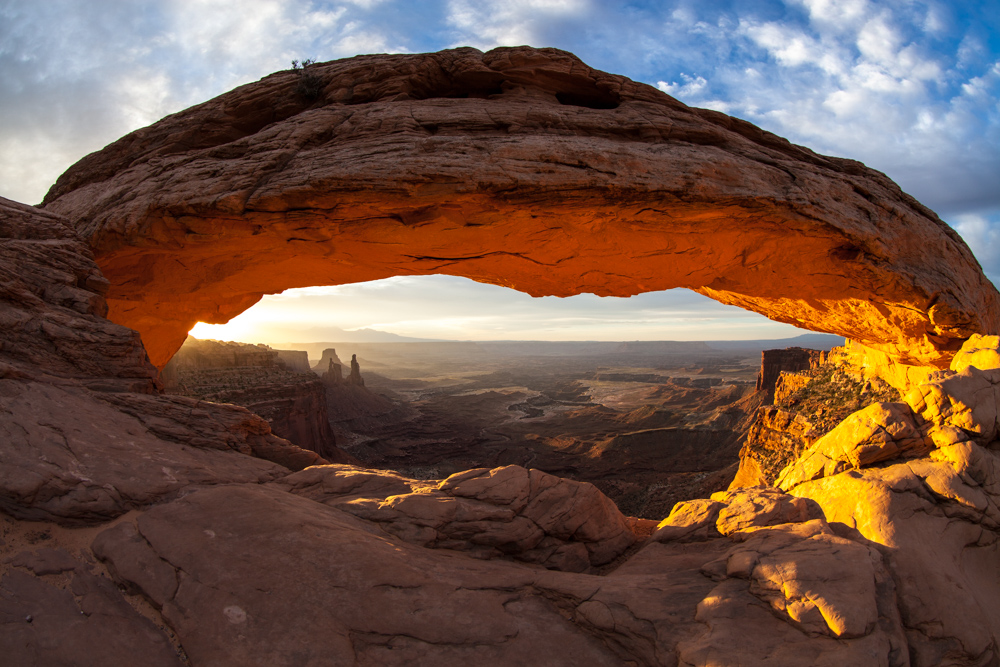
(649, 423)
(829, 500)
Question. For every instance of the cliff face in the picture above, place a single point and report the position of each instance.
(198, 354)
(295, 360)
(775, 362)
(513, 167)
(806, 405)
(84, 434)
(254, 376)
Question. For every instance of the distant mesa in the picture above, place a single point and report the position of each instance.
(276, 384)
(328, 359)
(334, 373)
(519, 167)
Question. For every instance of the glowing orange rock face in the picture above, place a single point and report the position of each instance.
(519, 167)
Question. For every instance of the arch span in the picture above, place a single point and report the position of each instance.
(520, 167)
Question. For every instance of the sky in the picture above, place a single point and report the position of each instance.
(911, 88)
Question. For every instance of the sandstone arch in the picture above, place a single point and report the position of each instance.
(520, 167)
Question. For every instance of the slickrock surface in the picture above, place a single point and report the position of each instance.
(528, 515)
(248, 575)
(936, 520)
(78, 619)
(520, 167)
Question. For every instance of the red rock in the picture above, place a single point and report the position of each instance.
(775, 362)
(936, 520)
(900, 569)
(84, 436)
(264, 574)
(520, 167)
(880, 432)
(253, 376)
(90, 624)
(524, 514)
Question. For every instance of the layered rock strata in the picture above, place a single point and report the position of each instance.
(808, 405)
(520, 167)
(293, 403)
(788, 360)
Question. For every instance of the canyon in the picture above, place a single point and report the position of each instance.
(142, 523)
(673, 415)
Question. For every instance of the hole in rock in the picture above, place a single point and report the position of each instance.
(650, 398)
(595, 100)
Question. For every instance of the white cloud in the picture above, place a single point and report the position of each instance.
(982, 233)
(854, 79)
(486, 25)
(75, 78)
(693, 85)
(836, 15)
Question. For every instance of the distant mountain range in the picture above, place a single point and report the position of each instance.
(309, 336)
(814, 341)
(338, 337)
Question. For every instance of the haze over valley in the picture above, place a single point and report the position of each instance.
(650, 423)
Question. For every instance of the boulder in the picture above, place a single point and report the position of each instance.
(732, 512)
(967, 400)
(513, 512)
(936, 521)
(982, 352)
(879, 432)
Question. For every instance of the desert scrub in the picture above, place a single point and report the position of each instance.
(310, 85)
(780, 433)
(832, 395)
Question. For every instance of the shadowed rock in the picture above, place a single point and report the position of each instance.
(83, 435)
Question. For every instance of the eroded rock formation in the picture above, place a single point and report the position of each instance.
(807, 405)
(788, 360)
(520, 167)
(294, 403)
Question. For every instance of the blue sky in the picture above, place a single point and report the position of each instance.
(911, 88)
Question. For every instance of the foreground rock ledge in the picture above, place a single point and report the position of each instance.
(520, 167)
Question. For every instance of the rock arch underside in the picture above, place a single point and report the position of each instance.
(141, 525)
(519, 167)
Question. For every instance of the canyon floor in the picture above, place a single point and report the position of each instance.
(648, 428)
